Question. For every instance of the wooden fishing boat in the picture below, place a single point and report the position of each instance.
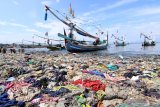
(73, 45)
(148, 41)
(50, 46)
(79, 46)
(118, 41)
(76, 47)
(55, 47)
(120, 44)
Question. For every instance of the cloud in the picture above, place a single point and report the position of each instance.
(43, 25)
(93, 5)
(46, 2)
(6, 32)
(17, 37)
(133, 30)
(57, 0)
(132, 13)
(15, 2)
(2, 23)
(147, 11)
(32, 30)
(33, 14)
(53, 27)
(108, 7)
(136, 12)
(17, 25)
(135, 15)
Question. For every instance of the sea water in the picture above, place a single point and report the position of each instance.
(130, 49)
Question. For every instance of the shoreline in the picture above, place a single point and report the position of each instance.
(94, 53)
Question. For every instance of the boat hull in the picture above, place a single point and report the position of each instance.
(72, 47)
(52, 48)
(149, 44)
(120, 44)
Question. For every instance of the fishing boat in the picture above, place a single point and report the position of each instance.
(73, 45)
(148, 41)
(55, 47)
(50, 46)
(118, 41)
(79, 46)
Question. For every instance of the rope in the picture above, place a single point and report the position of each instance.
(71, 22)
(69, 19)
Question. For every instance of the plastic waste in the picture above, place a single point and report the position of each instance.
(10, 79)
(135, 78)
(121, 57)
(112, 67)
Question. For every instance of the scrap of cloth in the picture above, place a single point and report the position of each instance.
(16, 85)
(6, 102)
(113, 79)
(2, 89)
(94, 85)
(69, 87)
(21, 91)
(94, 72)
(82, 101)
(62, 91)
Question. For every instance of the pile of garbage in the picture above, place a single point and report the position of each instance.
(79, 80)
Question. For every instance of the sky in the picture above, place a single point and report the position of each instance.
(20, 20)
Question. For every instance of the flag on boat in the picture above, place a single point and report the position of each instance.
(67, 18)
(70, 9)
(46, 34)
(107, 36)
(73, 15)
(113, 35)
(102, 33)
(48, 41)
(45, 16)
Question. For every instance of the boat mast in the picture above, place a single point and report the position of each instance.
(46, 38)
(78, 30)
(145, 37)
(123, 39)
(107, 38)
(48, 9)
(116, 37)
(33, 40)
(71, 30)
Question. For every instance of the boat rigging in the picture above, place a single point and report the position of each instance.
(117, 38)
(46, 38)
(71, 25)
(118, 41)
(148, 41)
(145, 36)
(73, 45)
